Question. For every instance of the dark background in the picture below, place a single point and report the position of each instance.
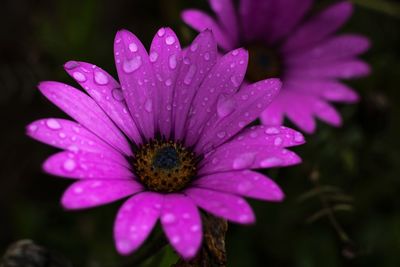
(351, 173)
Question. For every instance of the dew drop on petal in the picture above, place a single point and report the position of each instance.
(69, 165)
(133, 47)
(194, 47)
(206, 56)
(225, 106)
(298, 137)
(170, 40)
(234, 81)
(53, 124)
(272, 130)
(161, 32)
(153, 56)
(130, 65)
(32, 128)
(243, 161)
(117, 94)
(190, 74)
(79, 76)
(100, 78)
(273, 161)
(221, 134)
(278, 141)
(168, 218)
(172, 61)
(168, 82)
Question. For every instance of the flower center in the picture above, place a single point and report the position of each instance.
(263, 63)
(164, 166)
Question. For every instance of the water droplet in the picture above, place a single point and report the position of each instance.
(235, 52)
(168, 218)
(53, 124)
(244, 187)
(168, 82)
(190, 74)
(175, 239)
(62, 135)
(194, 47)
(221, 134)
(278, 141)
(69, 165)
(243, 161)
(272, 130)
(79, 76)
(225, 106)
(161, 32)
(71, 65)
(78, 190)
(273, 161)
(32, 128)
(195, 228)
(133, 47)
(241, 124)
(130, 65)
(100, 78)
(172, 61)
(117, 94)
(153, 56)
(170, 40)
(206, 56)
(148, 105)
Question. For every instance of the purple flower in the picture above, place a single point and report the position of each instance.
(301, 49)
(171, 136)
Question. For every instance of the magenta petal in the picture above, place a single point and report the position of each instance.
(319, 27)
(249, 157)
(137, 80)
(86, 165)
(192, 72)
(227, 206)
(235, 112)
(85, 110)
(68, 135)
(92, 193)
(200, 21)
(106, 91)
(334, 49)
(327, 113)
(244, 183)
(274, 113)
(328, 89)
(343, 69)
(288, 14)
(166, 60)
(227, 17)
(221, 81)
(181, 221)
(135, 220)
(298, 108)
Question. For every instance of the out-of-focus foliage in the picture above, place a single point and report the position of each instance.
(358, 163)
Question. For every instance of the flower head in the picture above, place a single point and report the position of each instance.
(302, 50)
(171, 135)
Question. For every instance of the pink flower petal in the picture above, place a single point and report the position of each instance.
(92, 193)
(349, 69)
(137, 80)
(200, 21)
(244, 183)
(319, 27)
(192, 72)
(135, 220)
(85, 110)
(334, 49)
(166, 60)
(68, 135)
(220, 82)
(181, 221)
(247, 157)
(274, 113)
(328, 89)
(106, 91)
(86, 165)
(327, 113)
(235, 112)
(223, 205)
(226, 17)
(289, 13)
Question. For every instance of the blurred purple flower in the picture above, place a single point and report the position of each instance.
(171, 136)
(302, 50)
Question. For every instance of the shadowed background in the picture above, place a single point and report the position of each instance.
(351, 173)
